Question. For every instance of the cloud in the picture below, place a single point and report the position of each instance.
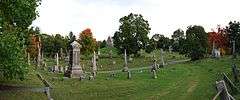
(164, 16)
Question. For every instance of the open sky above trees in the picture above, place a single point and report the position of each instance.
(102, 16)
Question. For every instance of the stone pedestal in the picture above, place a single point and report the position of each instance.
(75, 69)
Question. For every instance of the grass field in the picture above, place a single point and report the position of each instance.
(186, 81)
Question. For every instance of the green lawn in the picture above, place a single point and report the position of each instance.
(107, 64)
(186, 81)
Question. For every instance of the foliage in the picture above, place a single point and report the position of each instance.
(219, 38)
(103, 44)
(158, 41)
(234, 33)
(12, 62)
(132, 34)
(178, 37)
(196, 42)
(52, 44)
(16, 16)
(88, 43)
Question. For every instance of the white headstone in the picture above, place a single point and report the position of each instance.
(125, 61)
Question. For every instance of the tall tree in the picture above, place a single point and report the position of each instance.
(132, 34)
(234, 34)
(16, 16)
(196, 41)
(89, 44)
(177, 37)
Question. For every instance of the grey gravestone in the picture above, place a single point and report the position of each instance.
(29, 63)
(129, 74)
(75, 69)
(57, 59)
(125, 69)
(235, 72)
(154, 74)
(94, 65)
(39, 56)
(56, 69)
(221, 87)
(162, 60)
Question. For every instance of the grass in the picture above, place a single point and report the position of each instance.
(107, 63)
(186, 81)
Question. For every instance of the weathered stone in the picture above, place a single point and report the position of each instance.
(94, 65)
(129, 75)
(154, 74)
(235, 72)
(125, 69)
(75, 69)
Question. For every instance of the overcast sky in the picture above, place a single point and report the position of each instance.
(164, 16)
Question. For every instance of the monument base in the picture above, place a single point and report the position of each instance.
(74, 73)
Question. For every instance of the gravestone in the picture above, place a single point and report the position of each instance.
(125, 69)
(28, 55)
(39, 56)
(170, 49)
(94, 65)
(61, 70)
(129, 74)
(57, 59)
(154, 74)
(221, 87)
(235, 72)
(75, 69)
(56, 69)
(162, 60)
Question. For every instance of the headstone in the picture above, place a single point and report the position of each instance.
(39, 56)
(61, 70)
(56, 69)
(221, 87)
(125, 69)
(162, 60)
(57, 59)
(129, 74)
(29, 63)
(234, 55)
(94, 65)
(235, 72)
(170, 49)
(75, 69)
(154, 74)
(91, 77)
(65, 68)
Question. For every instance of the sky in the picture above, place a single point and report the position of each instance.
(102, 16)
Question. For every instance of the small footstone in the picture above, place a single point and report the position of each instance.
(129, 75)
(91, 77)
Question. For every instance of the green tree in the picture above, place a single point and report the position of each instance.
(233, 31)
(177, 36)
(16, 16)
(103, 44)
(196, 42)
(132, 34)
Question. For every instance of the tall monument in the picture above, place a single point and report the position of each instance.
(74, 69)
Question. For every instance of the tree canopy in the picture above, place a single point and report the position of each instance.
(132, 34)
(15, 18)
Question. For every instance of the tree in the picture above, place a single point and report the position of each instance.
(196, 42)
(88, 43)
(233, 31)
(132, 34)
(177, 36)
(103, 44)
(16, 16)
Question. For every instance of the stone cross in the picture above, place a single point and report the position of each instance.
(125, 61)
(75, 69)
(162, 60)
(94, 65)
(29, 62)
